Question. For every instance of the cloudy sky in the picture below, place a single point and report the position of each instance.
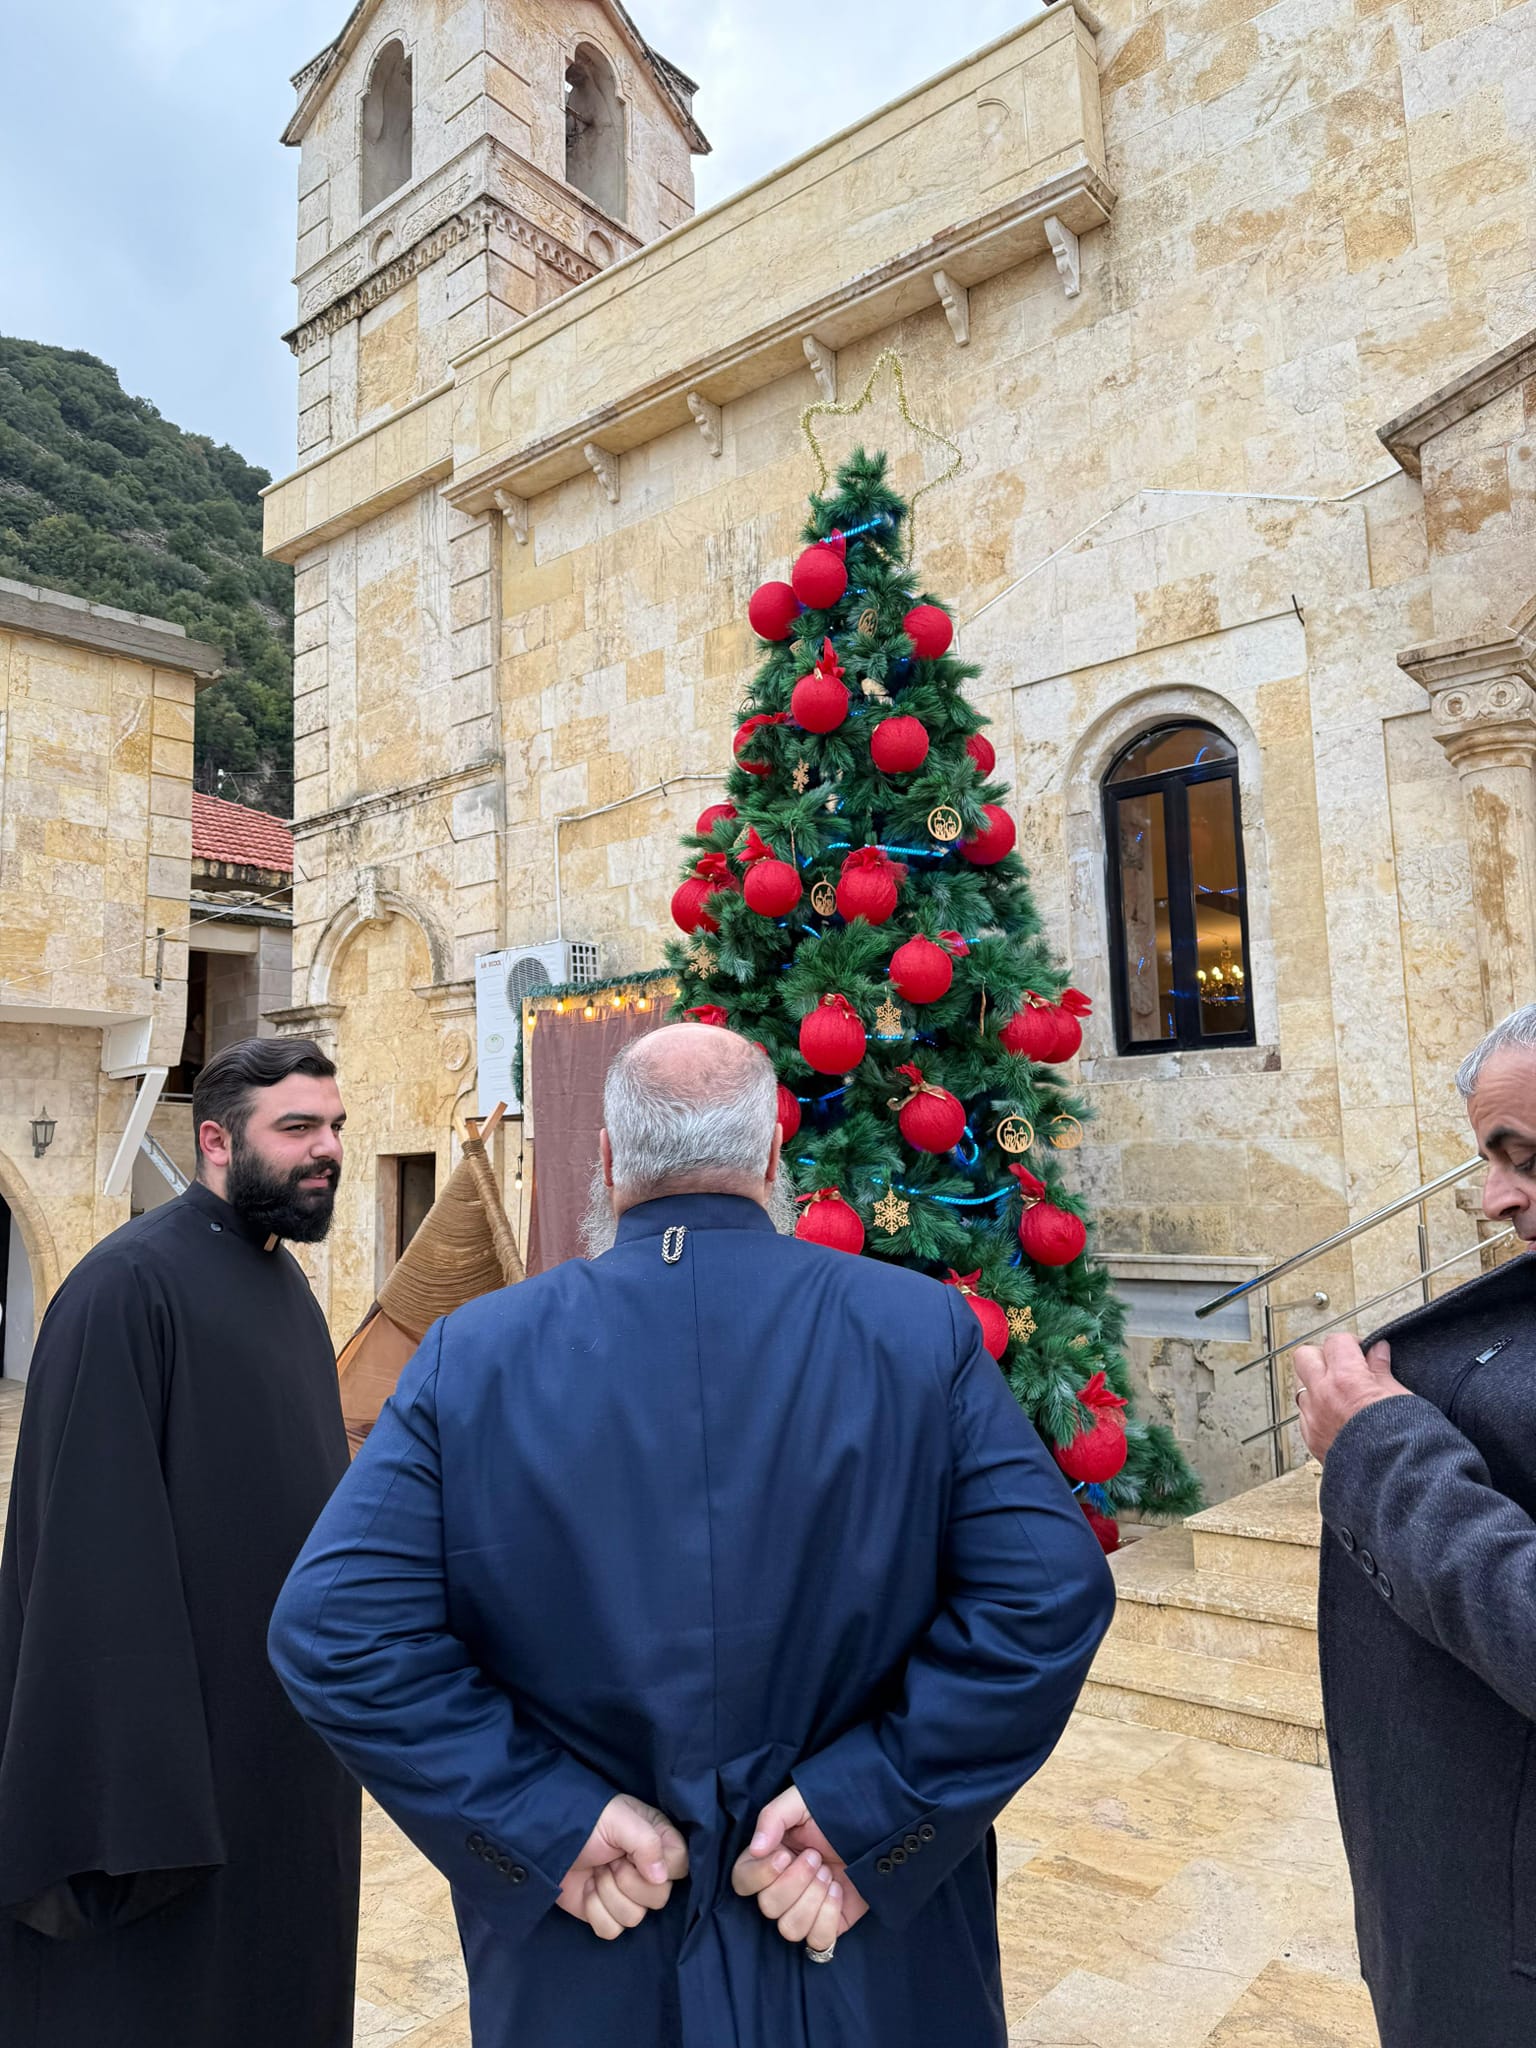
(146, 206)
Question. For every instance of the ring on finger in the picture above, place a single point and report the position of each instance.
(821, 1955)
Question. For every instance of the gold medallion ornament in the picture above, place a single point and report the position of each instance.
(890, 1213)
(945, 822)
(824, 899)
(888, 1020)
(1015, 1133)
(869, 620)
(801, 778)
(1066, 1133)
(1021, 1324)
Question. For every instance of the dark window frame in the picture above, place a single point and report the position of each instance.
(1173, 785)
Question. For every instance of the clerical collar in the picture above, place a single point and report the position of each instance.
(222, 1217)
(692, 1212)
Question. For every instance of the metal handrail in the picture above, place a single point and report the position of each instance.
(1272, 1310)
(1350, 1231)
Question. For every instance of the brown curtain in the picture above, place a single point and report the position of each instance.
(568, 1057)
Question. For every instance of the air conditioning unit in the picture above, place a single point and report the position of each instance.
(501, 981)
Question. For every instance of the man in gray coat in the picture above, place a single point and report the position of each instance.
(1427, 1613)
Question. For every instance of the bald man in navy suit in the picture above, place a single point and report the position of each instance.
(711, 1595)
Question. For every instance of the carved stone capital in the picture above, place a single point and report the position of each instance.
(1482, 698)
(308, 1020)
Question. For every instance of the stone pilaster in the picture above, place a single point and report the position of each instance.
(1483, 712)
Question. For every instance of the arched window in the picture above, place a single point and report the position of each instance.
(1178, 907)
(594, 130)
(386, 137)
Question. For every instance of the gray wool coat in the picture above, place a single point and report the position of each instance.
(1427, 1628)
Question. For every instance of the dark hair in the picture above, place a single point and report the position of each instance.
(222, 1092)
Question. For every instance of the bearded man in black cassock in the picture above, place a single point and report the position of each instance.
(178, 1853)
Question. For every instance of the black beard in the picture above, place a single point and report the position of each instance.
(275, 1202)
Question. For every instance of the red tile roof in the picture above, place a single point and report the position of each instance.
(239, 836)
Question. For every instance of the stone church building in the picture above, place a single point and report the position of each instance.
(1231, 308)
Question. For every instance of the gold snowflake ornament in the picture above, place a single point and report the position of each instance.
(1021, 1324)
(801, 778)
(890, 1213)
(704, 960)
(888, 1020)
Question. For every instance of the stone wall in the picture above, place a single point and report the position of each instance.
(1174, 500)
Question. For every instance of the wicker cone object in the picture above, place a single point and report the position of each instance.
(464, 1248)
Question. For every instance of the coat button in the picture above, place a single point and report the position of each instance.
(1367, 1563)
(898, 1855)
(1346, 1537)
(911, 1844)
(925, 1832)
(884, 1866)
(1384, 1585)
(475, 1844)
(517, 1874)
(487, 1853)
(504, 1865)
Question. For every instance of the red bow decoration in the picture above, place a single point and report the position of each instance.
(757, 848)
(1034, 1190)
(1099, 1397)
(966, 1282)
(834, 1002)
(823, 1195)
(954, 943)
(827, 663)
(873, 857)
(753, 724)
(1076, 1003)
(919, 1085)
(1037, 1002)
(709, 1013)
(836, 543)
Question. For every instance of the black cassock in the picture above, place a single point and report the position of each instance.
(178, 1853)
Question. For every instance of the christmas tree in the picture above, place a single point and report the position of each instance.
(856, 907)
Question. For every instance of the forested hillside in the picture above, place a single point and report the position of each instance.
(101, 496)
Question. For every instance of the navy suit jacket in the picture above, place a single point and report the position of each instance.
(689, 1531)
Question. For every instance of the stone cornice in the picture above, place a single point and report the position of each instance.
(476, 221)
(397, 799)
(55, 615)
(1406, 435)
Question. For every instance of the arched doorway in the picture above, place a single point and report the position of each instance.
(16, 1298)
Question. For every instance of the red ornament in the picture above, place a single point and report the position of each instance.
(995, 839)
(931, 1119)
(1032, 1031)
(990, 1314)
(773, 611)
(789, 1112)
(956, 944)
(709, 819)
(819, 577)
(898, 745)
(1050, 1236)
(711, 873)
(819, 701)
(982, 752)
(772, 886)
(1105, 1527)
(867, 885)
(921, 972)
(1099, 1451)
(828, 1220)
(1067, 1016)
(832, 1039)
(930, 631)
(744, 737)
(710, 1013)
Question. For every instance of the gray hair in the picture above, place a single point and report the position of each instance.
(1517, 1033)
(673, 1119)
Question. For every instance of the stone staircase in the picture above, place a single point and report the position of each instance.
(1216, 1630)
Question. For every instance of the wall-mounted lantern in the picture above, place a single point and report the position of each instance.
(43, 1128)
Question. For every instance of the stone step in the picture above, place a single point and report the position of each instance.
(1270, 1533)
(1243, 1704)
(1163, 1600)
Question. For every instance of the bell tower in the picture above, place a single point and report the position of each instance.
(462, 163)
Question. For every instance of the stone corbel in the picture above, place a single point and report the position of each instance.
(515, 512)
(605, 467)
(1064, 248)
(366, 891)
(1482, 709)
(709, 420)
(823, 362)
(308, 1020)
(956, 301)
